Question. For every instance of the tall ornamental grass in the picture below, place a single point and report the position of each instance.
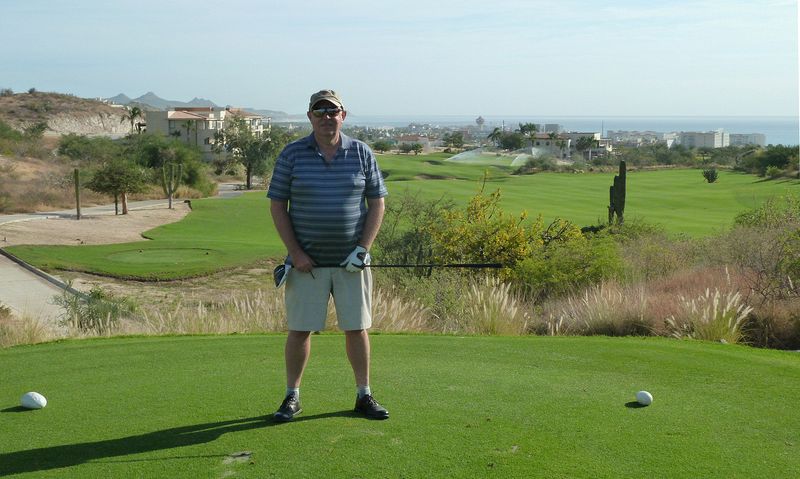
(711, 316)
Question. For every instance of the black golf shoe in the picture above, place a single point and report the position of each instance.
(290, 407)
(369, 407)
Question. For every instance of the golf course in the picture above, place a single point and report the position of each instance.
(222, 234)
(463, 407)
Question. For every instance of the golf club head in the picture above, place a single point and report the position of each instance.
(280, 273)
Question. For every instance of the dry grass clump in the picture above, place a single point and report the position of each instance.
(392, 313)
(255, 312)
(605, 309)
(23, 330)
(492, 308)
(712, 316)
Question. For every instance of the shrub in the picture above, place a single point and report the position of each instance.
(711, 317)
(710, 174)
(6, 92)
(440, 292)
(483, 232)
(492, 308)
(565, 266)
(773, 172)
(604, 309)
(96, 313)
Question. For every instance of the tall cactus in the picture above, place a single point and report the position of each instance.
(616, 194)
(77, 193)
(170, 181)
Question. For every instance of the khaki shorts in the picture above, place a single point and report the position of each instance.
(307, 299)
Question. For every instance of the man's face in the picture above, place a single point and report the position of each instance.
(328, 124)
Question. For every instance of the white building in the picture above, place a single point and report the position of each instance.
(708, 139)
(742, 139)
(197, 125)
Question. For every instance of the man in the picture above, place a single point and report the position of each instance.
(327, 204)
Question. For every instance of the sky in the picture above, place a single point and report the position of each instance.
(414, 57)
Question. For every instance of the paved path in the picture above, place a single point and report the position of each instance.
(27, 291)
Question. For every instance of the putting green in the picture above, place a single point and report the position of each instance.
(164, 255)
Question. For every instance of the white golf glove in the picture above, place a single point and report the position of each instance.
(357, 260)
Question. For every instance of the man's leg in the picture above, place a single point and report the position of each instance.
(358, 352)
(296, 353)
(357, 345)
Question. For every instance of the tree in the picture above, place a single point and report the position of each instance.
(190, 126)
(382, 145)
(257, 153)
(416, 148)
(454, 140)
(118, 178)
(562, 145)
(528, 130)
(131, 115)
(495, 136)
(405, 148)
(585, 143)
(512, 140)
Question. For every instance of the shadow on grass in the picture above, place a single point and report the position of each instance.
(69, 455)
(634, 405)
(15, 409)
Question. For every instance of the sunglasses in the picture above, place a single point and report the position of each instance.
(320, 112)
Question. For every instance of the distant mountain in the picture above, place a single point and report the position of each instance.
(152, 101)
(121, 99)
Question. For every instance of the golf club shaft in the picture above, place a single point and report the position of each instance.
(445, 265)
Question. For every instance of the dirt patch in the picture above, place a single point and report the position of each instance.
(99, 229)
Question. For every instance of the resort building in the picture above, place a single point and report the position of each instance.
(709, 139)
(742, 139)
(198, 125)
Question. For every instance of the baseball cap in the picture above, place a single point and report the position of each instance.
(321, 95)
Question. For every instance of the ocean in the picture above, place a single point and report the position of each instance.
(779, 130)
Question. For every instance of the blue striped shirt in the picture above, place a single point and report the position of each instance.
(327, 200)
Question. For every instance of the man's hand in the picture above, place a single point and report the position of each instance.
(357, 260)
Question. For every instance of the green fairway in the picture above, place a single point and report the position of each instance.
(460, 407)
(220, 234)
(679, 200)
(217, 234)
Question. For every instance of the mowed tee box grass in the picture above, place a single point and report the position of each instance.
(225, 233)
(461, 407)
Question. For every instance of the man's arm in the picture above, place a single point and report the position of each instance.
(283, 223)
(372, 224)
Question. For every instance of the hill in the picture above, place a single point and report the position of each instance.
(151, 101)
(63, 114)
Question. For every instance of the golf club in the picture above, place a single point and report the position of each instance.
(437, 265)
(279, 274)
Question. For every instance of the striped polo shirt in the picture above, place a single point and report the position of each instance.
(327, 200)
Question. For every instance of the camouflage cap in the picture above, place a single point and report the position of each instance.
(321, 95)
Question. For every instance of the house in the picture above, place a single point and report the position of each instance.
(601, 146)
(556, 145)
(198, 125)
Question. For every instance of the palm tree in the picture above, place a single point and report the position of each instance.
(131, 115)
(528, 130)
(495, 135)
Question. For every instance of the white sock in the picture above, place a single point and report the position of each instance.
(295, 391)
(363, 391)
